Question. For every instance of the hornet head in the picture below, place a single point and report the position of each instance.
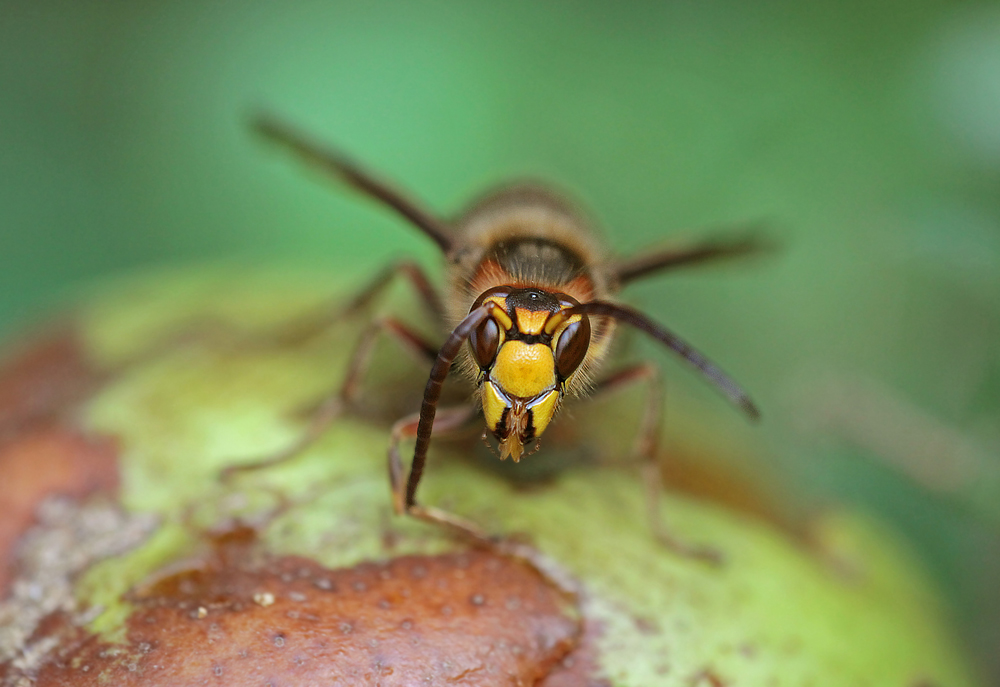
(526, 352)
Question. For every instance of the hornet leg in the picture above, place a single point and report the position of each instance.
(332, 407)
(646, 450)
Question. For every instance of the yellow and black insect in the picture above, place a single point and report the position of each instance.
(531, 291)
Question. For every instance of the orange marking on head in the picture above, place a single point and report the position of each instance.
(531, 321)
(581, 288)
(488, 275)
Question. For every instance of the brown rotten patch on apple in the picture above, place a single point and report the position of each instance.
(473, 617)
(41, 455)
(239, 616)
(44, 463)
(42, 378)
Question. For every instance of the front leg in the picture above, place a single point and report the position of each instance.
(421, 426)
(447, 420)
(646, 450)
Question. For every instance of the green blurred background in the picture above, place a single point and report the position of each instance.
(867, 134)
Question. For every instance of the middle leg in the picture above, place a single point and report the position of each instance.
(646, 451)
(333, 406)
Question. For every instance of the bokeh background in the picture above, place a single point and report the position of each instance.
(866, 135)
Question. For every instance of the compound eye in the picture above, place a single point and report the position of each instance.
(572, 347)
(484, 341)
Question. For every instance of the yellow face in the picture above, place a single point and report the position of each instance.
(525, 356)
